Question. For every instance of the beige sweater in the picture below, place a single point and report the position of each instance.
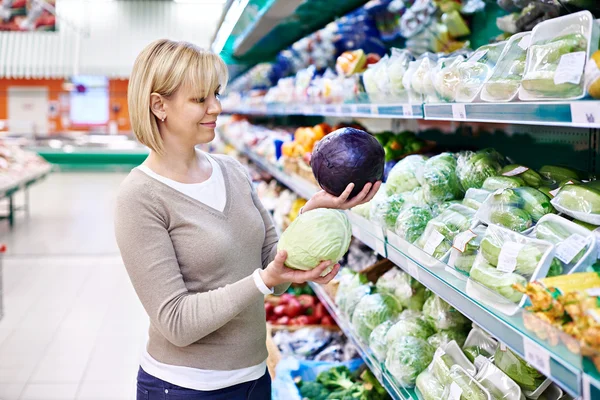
(192, 265)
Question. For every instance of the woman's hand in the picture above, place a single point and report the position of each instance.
(322, 199)
(277, 273)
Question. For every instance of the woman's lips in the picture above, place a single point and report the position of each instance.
(209, 124)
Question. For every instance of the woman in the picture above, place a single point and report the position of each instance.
(199, 247)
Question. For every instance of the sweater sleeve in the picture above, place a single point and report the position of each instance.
(181, 316)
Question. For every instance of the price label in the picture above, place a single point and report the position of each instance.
(503, 347)
(374, 109)
(459, 112)
(554, 192)
(407, 110)
(462, 239)
(455, 392)
(433, 241)
(585, 112)
(507, 260)
(567, 250)
(517, 171)
(525, 42)
(570, 68)
(537, 356)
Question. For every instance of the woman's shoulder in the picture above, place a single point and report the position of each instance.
(231, 164)
(135, 188)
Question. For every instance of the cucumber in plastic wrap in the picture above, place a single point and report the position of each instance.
(502, 182)
(580, 201)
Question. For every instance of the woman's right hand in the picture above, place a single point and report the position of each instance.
(277, 273)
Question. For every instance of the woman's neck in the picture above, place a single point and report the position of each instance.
(185, 165)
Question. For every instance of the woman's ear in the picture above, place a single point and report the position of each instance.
(157, 106)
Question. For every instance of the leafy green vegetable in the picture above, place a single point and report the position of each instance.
(511, 217)
(336, 378)
(440, 182)
(373, 310)
(453, 220)
(349, 280)
(442, 316)
(402, 177)
(474, 168)
(377, 340)
(408, 291)
(410, 327)
(518, 369)
(411, 222)
(407, 358)
(429, 387)
(386, 212)
(313, 391)
(502, 182)
(354, 297)
(444, 337)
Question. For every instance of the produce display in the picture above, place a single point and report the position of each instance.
(17, 164)
(303, 309)
(341, 383)
(314, 343)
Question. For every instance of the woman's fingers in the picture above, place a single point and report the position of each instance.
(342, 198)
(360, 198)
(323, 280)
(280, 258)
(372, 192)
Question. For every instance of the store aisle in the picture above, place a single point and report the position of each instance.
(72, 327)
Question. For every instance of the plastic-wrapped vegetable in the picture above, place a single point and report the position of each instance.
(479, 343)
(465, 248)
(476, 70)
(559, 174)
(440, 231)
(353, 297)
(442, 316)
(411, 222)
(348, 281)
(380, 196)
(474, 168)
(496, 382)
(377, 341)
(580, 201)
(429, 387)
(528, 175)
(408, 291)
(471, 389)
(402, 177)
(444, 337)
(373, 78)
(502, 182)
(373, 310)
(407, 358)
(416, 327)
(518, 369)
(396, 68)
(474, 198)
(445, 77)
(386, 212)
(440, 182)
(421, 81)
(505, 82)
(500, 282)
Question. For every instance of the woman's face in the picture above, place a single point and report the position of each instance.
(190, 117)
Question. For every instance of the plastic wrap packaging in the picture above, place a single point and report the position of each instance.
(500, 385)
(506, 258)
(516, 209)
(465, 248)
(479, 343)
(444, 337)
(415, 327)
(428, 386)
(350, 299)
(403, 176)
(376, 80)
(377, 341)
(529, 176)
(476, 70)
(469, 387)
(526, 376)
(439, 179)
(473, 168)
(385, 212)
(413, 96)
(494, 183)
(442, 316)
(505, 82)
(575, 244)
(411, 222)
(421, 82)
(348, 282)
(439, 234)
(474, 198)
(396, 69)
(580, 201)
(446, 357)
(407, 358)
(556, 58)
(371, 311)
(408, 291)
(446, 78)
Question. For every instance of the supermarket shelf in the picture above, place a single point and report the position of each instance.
(565, 368)
(374, 365)
(25, 181)
(576, 114)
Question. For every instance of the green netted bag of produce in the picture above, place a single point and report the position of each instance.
(371, 311)
(580, 201)
(411, 222)
(442, 316)
(518, 369)
(408, 291)
(407, 358)
(465, 248)
(377, 340)
(474, 168)
(440, 181)
(403, 176)
(437, 238)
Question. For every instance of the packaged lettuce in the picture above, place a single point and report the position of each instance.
(473, 168)
(371, 311)
(442, 316)
(403, 176)
(429, 387)
(500, 385)
(437, 238)
(505, 82)
(479, 343)
(416, 327)
(407, 358)
(476, 70)
(526, 376)
(385, 212)
(421, 82)
(408, 291)
(470, 388)
(442, 338)
(440, 181)
(411, 222)
(446, 78)
(580, 201)
(377, 341)
(465, 248)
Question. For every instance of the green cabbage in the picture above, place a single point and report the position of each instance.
(385, 212)
(377, 341)
(411, 222)
(407, 358)
(518, 369)
(440, 182)
(354, 297)
(442, 316)
(315, 236)
(416, 327)
(402, 177)
(407, 290)
(474, 168)
(371, 311)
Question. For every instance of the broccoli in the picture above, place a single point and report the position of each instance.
(313, 391)
(338, 378)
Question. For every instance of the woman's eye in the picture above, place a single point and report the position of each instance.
(217, 95)
(200, 100)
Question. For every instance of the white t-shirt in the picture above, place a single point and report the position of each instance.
(211, 192)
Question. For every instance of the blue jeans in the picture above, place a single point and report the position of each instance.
(152, 388)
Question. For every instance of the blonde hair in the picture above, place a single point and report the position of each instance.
(163, 67)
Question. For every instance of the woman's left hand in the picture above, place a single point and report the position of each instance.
(322, 199)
